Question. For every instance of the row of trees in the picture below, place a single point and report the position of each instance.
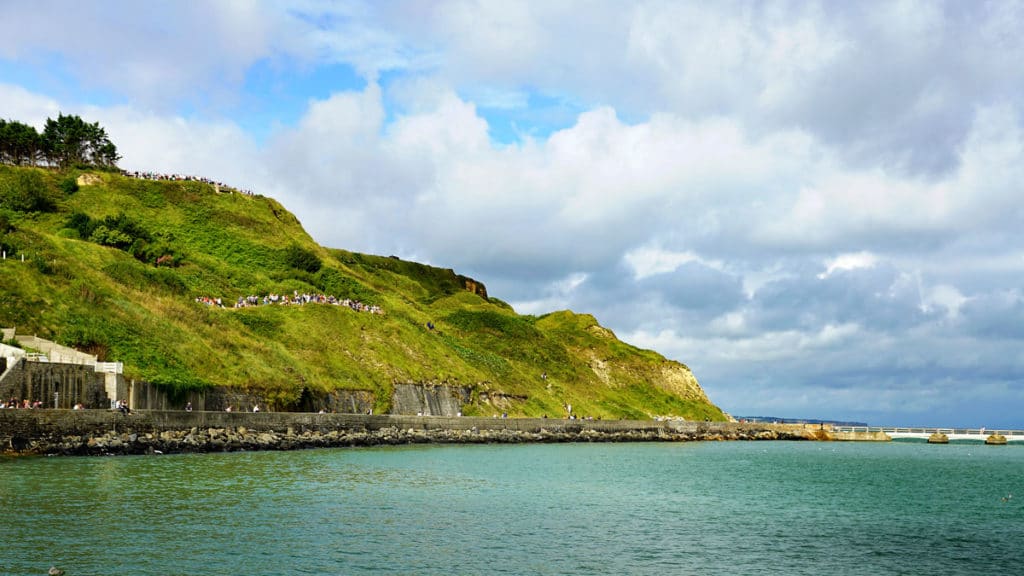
(65, 142)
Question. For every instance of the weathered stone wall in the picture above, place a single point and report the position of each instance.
(107, 432)
(73, 383)
(80, 383)
(346, 401)
(428, 399)
(147, 396)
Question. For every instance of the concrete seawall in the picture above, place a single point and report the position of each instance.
(107, 432)
(859, 436)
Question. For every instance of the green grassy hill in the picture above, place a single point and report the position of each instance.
(89, 280)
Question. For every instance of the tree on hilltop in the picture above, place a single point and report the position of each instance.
(70, 141)
(20, 144)
(65, 142)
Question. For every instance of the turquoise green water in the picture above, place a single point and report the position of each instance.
(695, 508)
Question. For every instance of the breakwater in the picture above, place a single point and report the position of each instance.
(96, 432)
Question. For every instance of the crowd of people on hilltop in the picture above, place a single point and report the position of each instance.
(143, 175)
(295, 298)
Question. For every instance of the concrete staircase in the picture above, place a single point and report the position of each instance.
(55, 352)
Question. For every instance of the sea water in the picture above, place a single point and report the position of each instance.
(658, 508)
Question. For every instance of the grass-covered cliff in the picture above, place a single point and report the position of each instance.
(90, 279)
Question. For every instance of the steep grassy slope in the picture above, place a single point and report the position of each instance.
(113, 301)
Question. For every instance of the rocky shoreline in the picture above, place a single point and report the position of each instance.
(241, 439)
(53, 432)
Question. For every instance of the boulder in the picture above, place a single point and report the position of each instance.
(996, 440)
(938, 438)
(89, 180)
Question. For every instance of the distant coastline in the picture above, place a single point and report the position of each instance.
(798, 420)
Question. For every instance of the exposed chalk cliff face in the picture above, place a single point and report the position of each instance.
(670, 376)
(678, 379)
(474, 286)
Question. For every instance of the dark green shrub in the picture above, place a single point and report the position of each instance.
(8, 246)
(69, 186)
(159, 252)
(43, 264)
(302, 259)
(124, 224)
(110, 237)
(82, 223)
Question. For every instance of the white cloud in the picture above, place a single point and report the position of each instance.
(944, 296)
(848, 262)
(652, 260)
(557, 296)
(25, 106)
(732, 324)
(173, 144)
(828, 336)
(154, 52)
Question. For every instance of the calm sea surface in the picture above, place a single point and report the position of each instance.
(693, 508)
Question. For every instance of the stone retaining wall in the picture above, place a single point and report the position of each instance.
(93, 432)
(76, 382)
(73, 383)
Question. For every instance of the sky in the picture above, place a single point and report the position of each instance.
(816, 206)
